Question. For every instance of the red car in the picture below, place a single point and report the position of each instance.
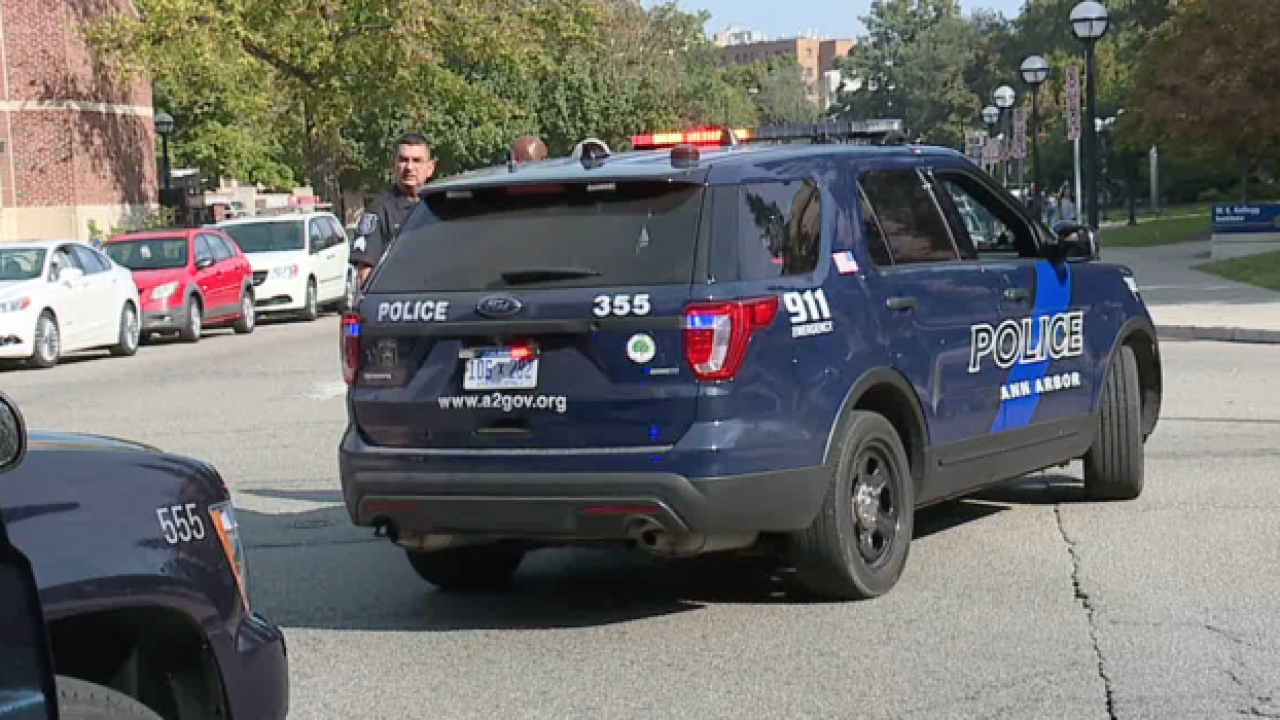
(188, 279)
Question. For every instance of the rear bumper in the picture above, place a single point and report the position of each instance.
(405, 491)
(255, 671)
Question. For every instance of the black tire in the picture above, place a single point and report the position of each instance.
(248, 319)
(310, 311)
(194, 326)
(48, 341)
(80, 700)
(130, 332)
(1114, 466)
(838, 557)
(470, 567)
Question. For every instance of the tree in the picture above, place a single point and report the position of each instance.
(1210, 79)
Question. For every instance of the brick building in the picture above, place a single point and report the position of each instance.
(75, 147)
(815, 56)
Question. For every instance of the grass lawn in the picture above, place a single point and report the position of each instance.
(1262, 269)
(1158, 231)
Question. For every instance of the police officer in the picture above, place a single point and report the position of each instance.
(413, 167)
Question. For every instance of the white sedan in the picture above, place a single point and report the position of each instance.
(62, 296)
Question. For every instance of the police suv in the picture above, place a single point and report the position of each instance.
(786, 337)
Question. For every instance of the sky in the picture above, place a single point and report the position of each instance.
(829, 18)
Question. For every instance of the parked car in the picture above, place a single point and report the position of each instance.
(141, 579)
(301, 261)
(62, 296)
(188, 279)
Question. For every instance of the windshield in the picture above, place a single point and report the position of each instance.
(149, 254)
(574, 235)
(21, 264)
(267, 236)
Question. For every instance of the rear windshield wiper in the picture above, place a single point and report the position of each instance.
(527, 276)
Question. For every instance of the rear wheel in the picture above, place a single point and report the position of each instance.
(130, 331)
(858, 544)
(48, 342)
(1114, 466)
(190, 332)
(248, 319)
(80, 700)
(468, 568)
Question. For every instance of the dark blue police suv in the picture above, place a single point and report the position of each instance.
(757, 342)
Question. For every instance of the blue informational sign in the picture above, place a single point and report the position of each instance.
(1246, 219)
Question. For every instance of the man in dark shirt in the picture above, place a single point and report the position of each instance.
(383, 217)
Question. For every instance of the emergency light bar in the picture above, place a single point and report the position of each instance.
(884, 131)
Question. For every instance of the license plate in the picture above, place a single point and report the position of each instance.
(495, 369)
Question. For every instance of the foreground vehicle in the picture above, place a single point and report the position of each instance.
(187, 280)
(705, 348)
(62, 296)
(142, 580)
(301, 261)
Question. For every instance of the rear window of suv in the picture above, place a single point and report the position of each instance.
(553, 235)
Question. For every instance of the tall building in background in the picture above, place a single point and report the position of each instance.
(74, 146)
(815, 55)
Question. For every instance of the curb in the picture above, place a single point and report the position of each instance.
(1222, 334)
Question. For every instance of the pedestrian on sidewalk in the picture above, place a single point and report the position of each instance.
(1067, 212)
(413, 166)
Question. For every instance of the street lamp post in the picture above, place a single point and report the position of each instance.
(991, 116)
(1035, 70)
(1089, 22)
(1005, 98)
(164, 126)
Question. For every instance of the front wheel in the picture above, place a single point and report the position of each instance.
(858, 544)
(130, 331)
(1113, 467)
(194, 326)
(310, 310)
(468, 568)
(248, 314)
(80, 700)
(48, 342)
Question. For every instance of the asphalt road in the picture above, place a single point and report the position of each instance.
(1025, 603)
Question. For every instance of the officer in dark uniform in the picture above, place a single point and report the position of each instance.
(380, 224)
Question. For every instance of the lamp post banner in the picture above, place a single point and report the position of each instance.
(1073, 102)
(1020, 133)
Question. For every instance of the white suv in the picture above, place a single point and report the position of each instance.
(301, 261)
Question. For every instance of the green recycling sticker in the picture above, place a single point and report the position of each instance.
(641, 348)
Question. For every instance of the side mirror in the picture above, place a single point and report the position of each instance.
(203, 262)
(13, 434)
(69, 275)
(1074, 241)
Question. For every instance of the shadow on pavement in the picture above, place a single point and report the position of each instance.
(313, 569)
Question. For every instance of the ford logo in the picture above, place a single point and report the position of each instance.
(497, 306)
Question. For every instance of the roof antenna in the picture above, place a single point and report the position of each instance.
(511, 160)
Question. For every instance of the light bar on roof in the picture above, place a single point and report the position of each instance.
(825, 131)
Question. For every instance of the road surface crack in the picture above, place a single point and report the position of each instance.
(1086, 602)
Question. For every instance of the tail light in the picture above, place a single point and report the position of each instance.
(350, 346)
(716, 334)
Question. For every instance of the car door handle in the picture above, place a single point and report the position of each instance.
(900, 303)
(1016, 294)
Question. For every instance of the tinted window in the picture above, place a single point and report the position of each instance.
(62, 258)
(877, 246)
(912, 223)
(20, 264)
(149, 254)
(626, 233)
(203, 250)
(220, 251)
(224, 243)
(91, 261)
(779, 224)
(267, 236)
(992, 226)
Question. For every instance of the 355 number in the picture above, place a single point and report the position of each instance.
(180, 523)
(606, 305)
(807, 306)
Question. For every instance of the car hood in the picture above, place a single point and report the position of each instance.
(53, 440)
(14, 288)
(268, 260)
(147, 279)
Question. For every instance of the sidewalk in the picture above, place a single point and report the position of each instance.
(1190, 304)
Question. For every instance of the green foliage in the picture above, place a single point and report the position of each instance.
(138, 221)
(316, 91)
